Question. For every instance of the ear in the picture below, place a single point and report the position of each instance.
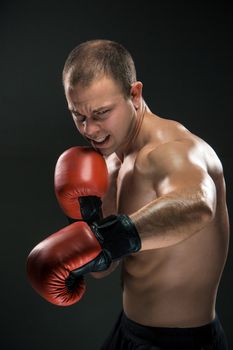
(136, 93)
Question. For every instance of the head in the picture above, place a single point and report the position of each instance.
(102, 92)
(96, 58)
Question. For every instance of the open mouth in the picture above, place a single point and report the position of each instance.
(100, 142)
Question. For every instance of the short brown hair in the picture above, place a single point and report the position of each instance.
(94, 58)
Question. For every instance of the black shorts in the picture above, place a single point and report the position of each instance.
(129, 335)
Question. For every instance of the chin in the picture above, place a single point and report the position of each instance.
(105, 152)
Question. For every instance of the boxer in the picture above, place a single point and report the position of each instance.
(167, 186)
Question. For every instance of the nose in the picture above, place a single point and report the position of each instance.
(90, 128)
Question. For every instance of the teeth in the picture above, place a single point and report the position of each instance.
(100, 140)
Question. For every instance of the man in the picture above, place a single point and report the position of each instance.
(169, 183)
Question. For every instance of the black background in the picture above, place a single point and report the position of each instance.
(183, 51)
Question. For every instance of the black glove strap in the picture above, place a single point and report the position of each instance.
(117, 235)
(90, 208)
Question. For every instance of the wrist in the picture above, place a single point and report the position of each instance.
(90, 208)
(117, 235)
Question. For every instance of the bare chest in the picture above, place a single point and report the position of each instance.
(128, 190)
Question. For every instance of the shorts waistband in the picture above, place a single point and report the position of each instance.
(205, 332)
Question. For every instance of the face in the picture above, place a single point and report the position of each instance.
(102, 114)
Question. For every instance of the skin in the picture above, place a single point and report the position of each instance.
(171, 184)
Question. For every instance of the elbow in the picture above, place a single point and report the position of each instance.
(105, 273)
(207, 212)
(207, 202)
(99, 275)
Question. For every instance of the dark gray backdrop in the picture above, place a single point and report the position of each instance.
(184, 54)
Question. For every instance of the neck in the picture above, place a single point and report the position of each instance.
(133, 134)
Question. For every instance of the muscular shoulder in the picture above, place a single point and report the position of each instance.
(164, 135)
(177, 151)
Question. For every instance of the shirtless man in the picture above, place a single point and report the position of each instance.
(170, 184)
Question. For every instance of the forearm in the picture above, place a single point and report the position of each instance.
(172, 218)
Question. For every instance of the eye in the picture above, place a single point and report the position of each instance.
(78, 117)
(102, 113)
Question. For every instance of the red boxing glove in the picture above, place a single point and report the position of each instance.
(81, 180)
(56, 266)
(49, 264)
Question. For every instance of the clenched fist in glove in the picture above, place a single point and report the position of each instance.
(80, 181)
(56, 265)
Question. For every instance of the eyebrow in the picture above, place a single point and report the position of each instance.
(94, 110)
(73, 111)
